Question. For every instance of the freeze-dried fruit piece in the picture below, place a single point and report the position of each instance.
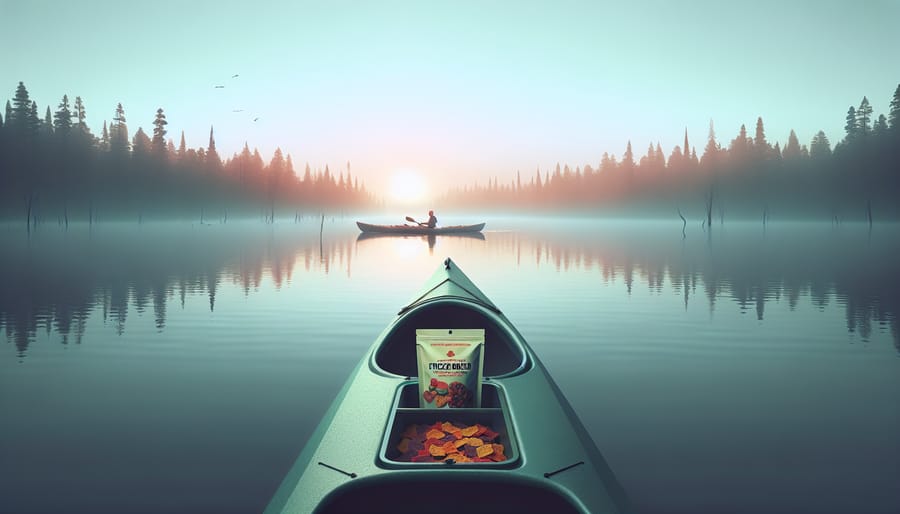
(435, 434)
(484, 450)
(469, 431)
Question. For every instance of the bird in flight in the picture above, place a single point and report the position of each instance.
(235, 76)
(254, 119)
(219, 87)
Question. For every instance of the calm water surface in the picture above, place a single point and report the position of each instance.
(181, 368)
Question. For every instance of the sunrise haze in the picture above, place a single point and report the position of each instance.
(455, 92)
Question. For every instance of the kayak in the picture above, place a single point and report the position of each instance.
(365, 236)
(349, 463)
(417, 229)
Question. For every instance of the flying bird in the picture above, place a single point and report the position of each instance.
(237, 110)
(219, 87)
(235, 76)
(254, 119)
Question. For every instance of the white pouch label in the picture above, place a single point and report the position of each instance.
(450, 367)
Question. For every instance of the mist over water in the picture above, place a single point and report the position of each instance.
(732, 368)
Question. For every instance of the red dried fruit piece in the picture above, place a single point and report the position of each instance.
(489, 435)
(422, 458)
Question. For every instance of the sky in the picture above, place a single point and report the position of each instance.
(455, 93)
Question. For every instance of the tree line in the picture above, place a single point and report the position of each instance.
(53, 168)
(750, 177)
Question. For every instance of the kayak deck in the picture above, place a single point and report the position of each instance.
(347, 465)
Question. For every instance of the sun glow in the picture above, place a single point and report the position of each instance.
(407, 186)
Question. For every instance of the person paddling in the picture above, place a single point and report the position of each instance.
(432, 220)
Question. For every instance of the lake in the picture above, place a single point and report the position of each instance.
(179, 367)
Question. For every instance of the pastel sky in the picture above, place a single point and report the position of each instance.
(458, 91)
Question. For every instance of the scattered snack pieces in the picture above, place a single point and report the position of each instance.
(446, 441)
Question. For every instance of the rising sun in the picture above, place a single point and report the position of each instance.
(407, 186)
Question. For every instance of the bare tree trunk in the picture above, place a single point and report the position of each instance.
(29, 211)
(683, 226)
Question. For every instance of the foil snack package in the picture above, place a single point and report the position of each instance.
(450, 367)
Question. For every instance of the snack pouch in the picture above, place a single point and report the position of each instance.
(450, 367)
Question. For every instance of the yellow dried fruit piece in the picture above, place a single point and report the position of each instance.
(403, 446)
(476, 442)
(449, 428)
(435, 434)
(461, 442)
(436, 451)
(469, 431)
(484, 450)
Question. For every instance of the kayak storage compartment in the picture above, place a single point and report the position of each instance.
(503, 353)
(406, 412)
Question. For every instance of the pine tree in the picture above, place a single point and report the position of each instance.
(893, 115)
(880, 127)
(628, 157)
(739, 145)
(212, 156)
(118, 137)
(792, 149)
(80, 116)
(864, 117)
(20, 117)
(47, 125)
(141, 146)
(182, 147)
(104, 137)
(711, 152)
(819, 147)
(851, 127)
(159, 134)
(62, 122)
(760, 145)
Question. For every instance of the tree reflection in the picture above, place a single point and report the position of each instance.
(56, 282)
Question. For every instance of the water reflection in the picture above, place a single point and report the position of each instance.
(55, 281)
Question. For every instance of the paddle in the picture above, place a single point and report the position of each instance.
(410, 218)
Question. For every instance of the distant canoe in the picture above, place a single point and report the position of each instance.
(365, 236)
(415, 229)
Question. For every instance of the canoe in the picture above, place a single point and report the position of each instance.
(416, 229)
(552, 464)
(365, 236)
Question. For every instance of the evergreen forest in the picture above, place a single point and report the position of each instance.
(54, 169)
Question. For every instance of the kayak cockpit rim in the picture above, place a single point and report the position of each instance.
(505, 354)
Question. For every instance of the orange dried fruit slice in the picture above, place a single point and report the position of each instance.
(436, 451)
(469, 431)
(435, 434)
(476, 442)
(484, 450)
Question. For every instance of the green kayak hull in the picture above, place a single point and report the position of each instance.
(553, 464)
